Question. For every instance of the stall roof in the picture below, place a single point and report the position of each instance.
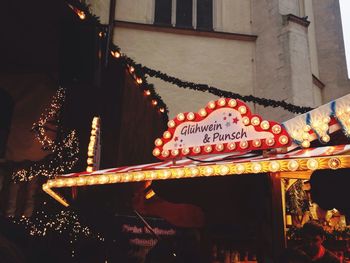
(301, 160)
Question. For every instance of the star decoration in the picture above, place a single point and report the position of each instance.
(235, 120)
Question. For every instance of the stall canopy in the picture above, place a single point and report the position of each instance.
(289, 161)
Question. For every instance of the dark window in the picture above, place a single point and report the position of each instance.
(205, 14)
(184, 13)
(162, 14)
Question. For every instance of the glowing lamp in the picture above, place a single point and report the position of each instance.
(139, 80)
(167, 135)
(276, 129)
(255, 121)
(222, 102)
(154, 102)
(211, 105)
(190, 116)
(180, 116)
(147, 92)
(232, 103)
(202, 112)
(208, 171)
(242, 109)
(208, 149)
(312, 164)
(197, 149)
(219, 147)
(231, 146)
(293, 165)
(334, 163)
(223, 170)
(156, 152)
(185, 151)
(171, 124)
(158, 142)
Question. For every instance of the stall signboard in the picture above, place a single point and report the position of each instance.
(225, 125)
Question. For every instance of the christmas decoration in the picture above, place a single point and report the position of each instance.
(225, 125)
(63, 149)
(64, 224)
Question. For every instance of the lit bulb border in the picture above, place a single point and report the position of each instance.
(157, 151)
(94, 144)
(203, 170)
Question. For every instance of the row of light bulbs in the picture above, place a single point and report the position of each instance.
(93, 144)
(139, 81)
(200, 171)
(202, 113)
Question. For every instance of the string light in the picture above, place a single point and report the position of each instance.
(63, 223)
(63, 150)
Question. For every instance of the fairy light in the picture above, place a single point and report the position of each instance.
(63, 151)
(64, 223)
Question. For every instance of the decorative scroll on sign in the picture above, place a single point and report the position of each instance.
(225, 125)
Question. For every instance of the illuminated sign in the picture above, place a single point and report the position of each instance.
(225, 125)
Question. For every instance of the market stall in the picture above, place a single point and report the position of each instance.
(225, 139)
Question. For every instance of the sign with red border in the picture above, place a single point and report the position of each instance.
(225, 125)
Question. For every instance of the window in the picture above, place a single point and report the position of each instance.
(162, 12)
(196, 14)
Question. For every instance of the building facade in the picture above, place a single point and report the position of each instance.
(275, 49)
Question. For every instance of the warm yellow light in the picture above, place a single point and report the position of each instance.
(114, 178)
(242, 109)
(208, 149)
(334, 163)
(71, 182)
(154, 102)
(276, 129)
(255, 121)
(165, 153)
(211, 105)
(81, 14)
(180, 116)
(185, 151)
(219, 147)
(232, 103)
(270, 141)
(325, 138)
(156, 152)
(190, 116)
(307, 128)
(305, 144)
(162, 110)
(89, 169)
(103, 179)
(240, 168)
(274, 166)
(139, 176)
(150, 194)
(90, 161)
(243, 144)
(171, 124)
(257, 143)
(91, 180)
(283, 139)
(223, 170)
(312, 164)
(265, 125)
(256, 167)
(147, 92)
(115, 54)
(81, 181)
(194, 172)
(139, 80)
(208, 171)
(167, 135)
(222, 102)
(231, 146)
(131, 69)
(197, 149)
(246, 120)
(179, 173)
(175, 152)
(202, 112)
(158, 142)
